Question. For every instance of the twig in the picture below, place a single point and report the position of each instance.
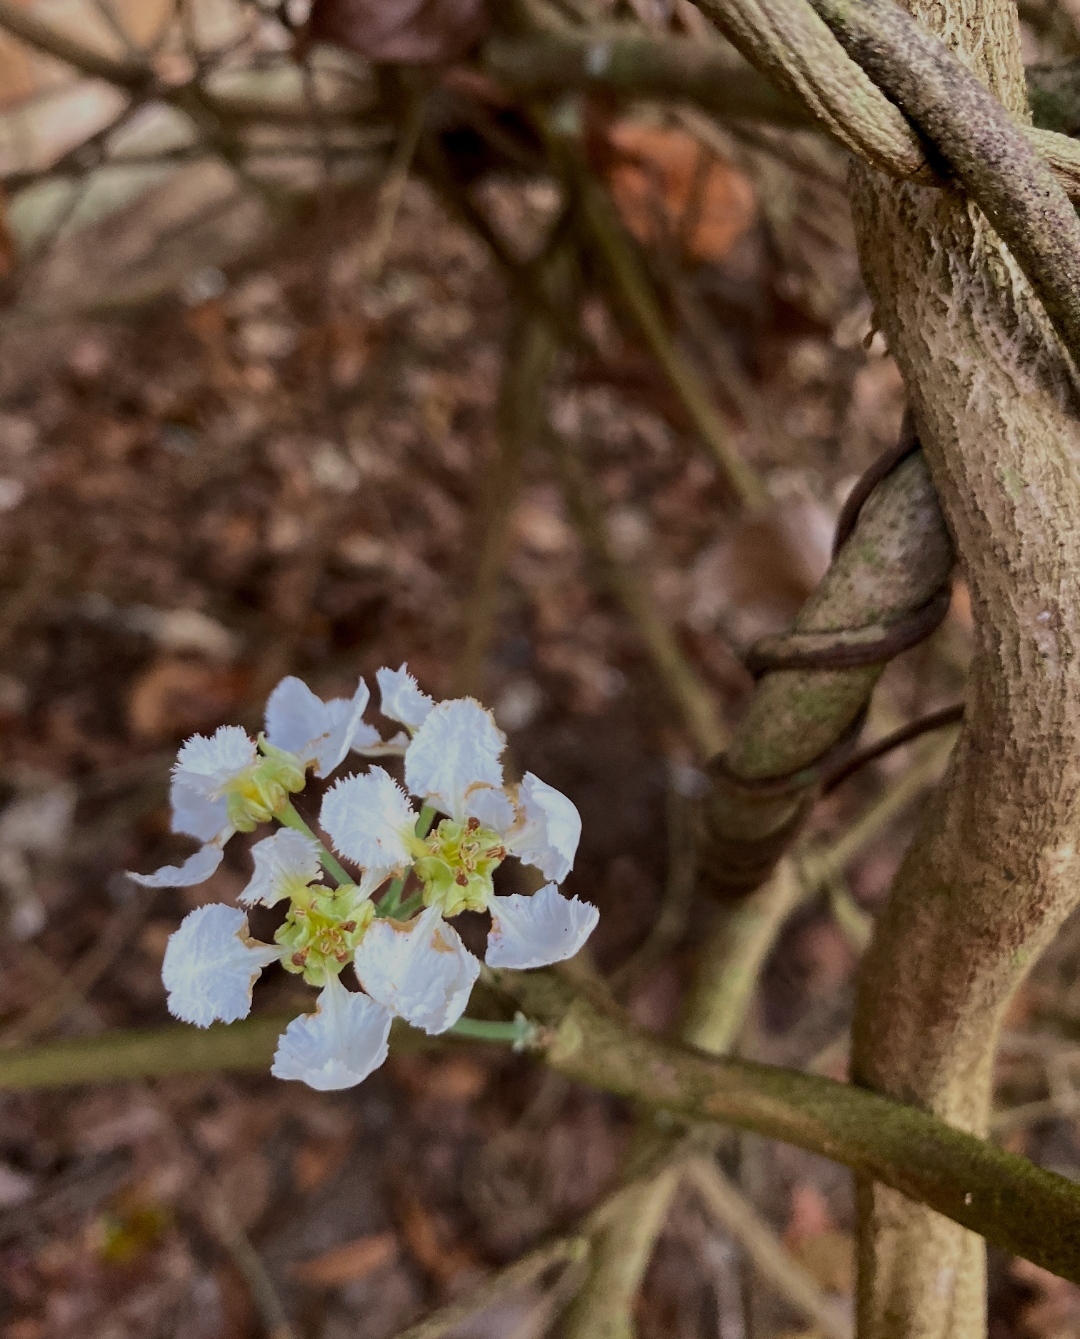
(519, 424)
(679, 678)
(71, 989)
(636, 294)
(764, 784)
(817, 867)
(134, 75)
(618, 1261)
(732, 958)
(767, 1255)
(670, 925)
(935, 720)
(523, 1272)
(392, 189)
(572, 1248)
(215, 1211)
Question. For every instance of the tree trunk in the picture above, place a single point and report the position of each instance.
(994, 870)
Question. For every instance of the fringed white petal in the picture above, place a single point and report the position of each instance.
(318, 732)
(422, 971)
(551, 829)
(283, 862)
(207, 763)
(457, 748)
(196, 868)
(401, 699)
(339, 1045)
(538, 930)
(203, 767)
(210, 966)
(369, 818)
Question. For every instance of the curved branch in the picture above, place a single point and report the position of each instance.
(978, 141)
(896, 560)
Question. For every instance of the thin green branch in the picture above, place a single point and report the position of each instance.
(636, 296)
(1013, 1203)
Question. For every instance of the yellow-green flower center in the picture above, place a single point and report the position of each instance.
(322, 930)
(455, 865)
(263, 789)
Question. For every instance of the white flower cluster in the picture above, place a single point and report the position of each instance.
(408, 960)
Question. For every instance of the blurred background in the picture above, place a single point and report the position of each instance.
(255, 312)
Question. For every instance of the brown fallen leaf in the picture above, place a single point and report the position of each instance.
(818, 1244)
(345, 1264)
(1054, 1309)
(665, 188)
(175, 697)
(428, 1237)
(414, 32)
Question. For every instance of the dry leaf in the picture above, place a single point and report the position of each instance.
(414, 32)
(175, 697)
(317, 1160)
(818, 1244)
(1054, 1312)
(665, 188)
(428, 1237)
(345, 1264)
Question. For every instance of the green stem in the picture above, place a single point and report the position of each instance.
(482, 1029)
(291, 819)
(405, 909)
(391, 904)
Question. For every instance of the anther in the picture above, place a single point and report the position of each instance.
(298, 959)
(461, 879)
(472, 824)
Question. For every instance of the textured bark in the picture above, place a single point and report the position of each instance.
(994, 870)
(896, 559)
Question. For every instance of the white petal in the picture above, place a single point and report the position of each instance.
(551, 831)
(337, 1046)
(195, 869)
(538, 930)
(194, 812)
(493, 807)
(423, 971)
(318, 732)
(401, 699)
(207, 763)
(287, 858)
(391, 748)
(209, 969)
(203, 766)
(346, 729)
(456, 748)
(368, 818)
